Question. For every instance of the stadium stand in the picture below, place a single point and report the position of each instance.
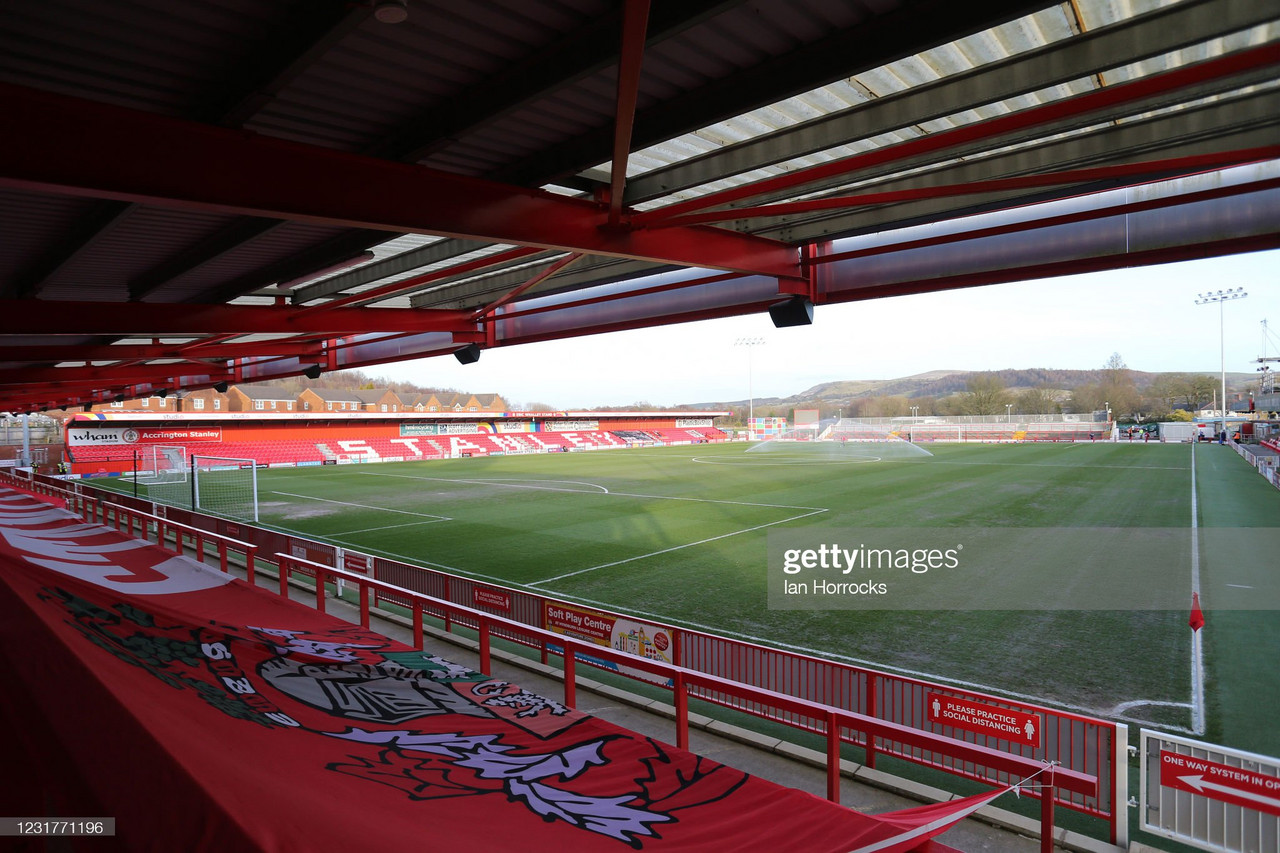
(1069, 432)
(251, 735)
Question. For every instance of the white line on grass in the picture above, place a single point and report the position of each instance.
(399, 558)
(366, 506)
(1197, 650)
(674, 548)
(391, 526)
(531, 484)
(603, 490)
(936, 461)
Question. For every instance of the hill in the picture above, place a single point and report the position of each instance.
(943, 383)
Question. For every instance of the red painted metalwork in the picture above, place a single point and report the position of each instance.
(758, 680)
(1154, 170)
(32, 317)
(559, 265)
(635, 20)
(1121, 93)
(406, 284)
(1167, 255)
(782, 706)
(146, 158)
(1050, 221)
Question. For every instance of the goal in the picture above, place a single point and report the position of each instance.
(225, 486)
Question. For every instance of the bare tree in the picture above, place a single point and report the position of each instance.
(984, 394)
(1041, 400)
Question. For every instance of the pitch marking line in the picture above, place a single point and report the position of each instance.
(532, 485)
(674, 548)
(390, 527)
(503, 481)
(434, 518)
(936, 461)
(399, 558)
(1197, 649)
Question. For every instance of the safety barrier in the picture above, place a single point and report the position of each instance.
(685, 683)
(1075, 742)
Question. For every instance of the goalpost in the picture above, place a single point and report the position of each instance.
(225, 486)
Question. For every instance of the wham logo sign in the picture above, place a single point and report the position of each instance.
(1220, 782)
(107, 436)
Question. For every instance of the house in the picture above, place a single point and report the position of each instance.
(329, 400)
(424, 403)
(490, 403)
(379, 400)
(260, 398)
(204, 401)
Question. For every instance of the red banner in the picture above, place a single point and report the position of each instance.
(263, 724)
(979, 718)
(494, 599)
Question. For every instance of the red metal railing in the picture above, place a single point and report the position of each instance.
(1073, 741)
(687, 682)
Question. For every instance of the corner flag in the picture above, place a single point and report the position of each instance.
(1197, 615)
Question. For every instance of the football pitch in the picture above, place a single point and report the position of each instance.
(681, 534)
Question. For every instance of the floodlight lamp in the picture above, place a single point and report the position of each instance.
(313, 372)
(391, 11)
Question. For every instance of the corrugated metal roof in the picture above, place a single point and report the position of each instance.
(524, 92)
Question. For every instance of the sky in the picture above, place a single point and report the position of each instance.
(1148, 315)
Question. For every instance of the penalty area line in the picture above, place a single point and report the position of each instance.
(366, 506)
(673, 548)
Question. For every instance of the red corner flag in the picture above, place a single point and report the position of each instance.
(1197, 615)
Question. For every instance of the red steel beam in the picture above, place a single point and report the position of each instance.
(1119, 94)
(392, 288)
(1152, 170)
(635, 21)
(190, 352)
(155, 159)
(110, 376)
(43, 317)
(533, 282)
(1049, 221)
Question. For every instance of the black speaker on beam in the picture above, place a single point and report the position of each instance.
(796, 311)
(469, 354)
(313, 372)
(221, 387)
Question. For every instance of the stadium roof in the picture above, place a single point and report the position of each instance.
(233, 190)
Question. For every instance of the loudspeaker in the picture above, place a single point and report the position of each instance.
(469, 354)
(796, 311)
(221, 387)
(312, 372)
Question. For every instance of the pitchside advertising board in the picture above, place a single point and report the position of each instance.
(1020, 727)
(642, 639)
(1209, 796)
(134, 436)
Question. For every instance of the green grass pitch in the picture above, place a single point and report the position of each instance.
(680, 534)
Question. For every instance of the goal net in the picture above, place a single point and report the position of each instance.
(162, 464)
(225, 486)
(844, 439)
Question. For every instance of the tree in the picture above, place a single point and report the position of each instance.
(1117, 388)
(984, 394)
(1041, 400)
